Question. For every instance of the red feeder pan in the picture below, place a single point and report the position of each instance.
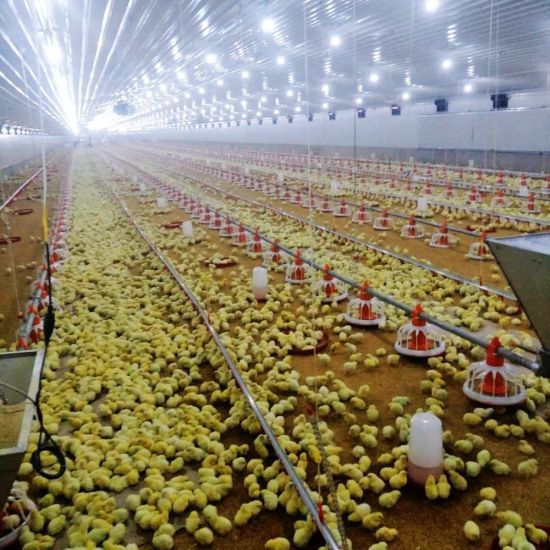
(361, 216)
(494, 381)
(10, 240)
(297, 272)
(23, 212)
(441, 238)
(255, 245)
(329, 288)
(365, 310)
(342, 210)
(311, 350)
(173, 225)
(412, 231)
(382, 223)
(479, 249)
(418, 338)
(221, 262)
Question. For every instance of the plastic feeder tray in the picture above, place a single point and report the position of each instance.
(173, 225)
(21, 370)
(10, 240)
(23, 212)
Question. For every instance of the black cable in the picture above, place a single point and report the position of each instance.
(46, 444)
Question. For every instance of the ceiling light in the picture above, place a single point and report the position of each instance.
(281, 60)
(374, 77)
(219, 82)
(263, 99)
(358, 101)
(405, 96)
(201, 90)
(258, 113)
(163, 88)
(431, 5)
(180, 75)
(245, 74)
(210, 58)
(243, 104)
(276, 112)
(335, 40)
(298, 109)
(468, 88)
(289, 93)
(325, 106)
(325, 89)
(268, 24)
(187, 95)
(447, 64)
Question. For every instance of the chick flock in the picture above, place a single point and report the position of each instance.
(140, 399)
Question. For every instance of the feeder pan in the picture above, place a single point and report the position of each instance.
(10, 240)
(311, 350)
(205, 217)
(309, 202)
(325, 206)
(479, 250)
(361, 216)
(427, 188)
(499, 199)
(382, 223)
(23, 212)
(330, 289)
(343, 210)
(240, 238)
(532, 207)
(220, 262)
(418, 338)
(255, 244)
(22, 370)
(474, 196)
(525, 261)
(173, 225)
(296, 198)
(441, 238)
(286, 195)
(227, 229)
(274, 256)
(412, 231)
(449, 192)
(297, 272)
(365, 310)
(216, 221)
(494, 381)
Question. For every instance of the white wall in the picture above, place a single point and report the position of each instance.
(470, 124)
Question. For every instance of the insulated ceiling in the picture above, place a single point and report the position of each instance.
(225, 59)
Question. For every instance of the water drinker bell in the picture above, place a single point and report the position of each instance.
(525, 261)
(425, 456)
(418, 338)
(365, 310)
